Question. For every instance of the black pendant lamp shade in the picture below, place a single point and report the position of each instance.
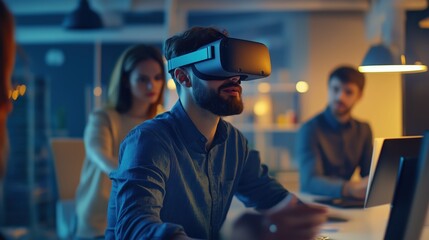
(379, 59)
(83, 17)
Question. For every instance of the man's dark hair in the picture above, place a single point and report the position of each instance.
(348, 74)
(189, 41)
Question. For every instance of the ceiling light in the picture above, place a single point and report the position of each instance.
(83, 17)
(379, 59)
(424, 23)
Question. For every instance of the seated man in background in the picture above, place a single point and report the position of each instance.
(178, 172)
(331, 145)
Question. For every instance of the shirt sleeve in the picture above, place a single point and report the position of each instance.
(140, 188)
(256, 188)
(312, 179)
(98, 141)
(365, 162)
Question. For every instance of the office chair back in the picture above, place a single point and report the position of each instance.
(68, 154)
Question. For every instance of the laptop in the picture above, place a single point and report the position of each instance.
(384, 165)
(342, 202)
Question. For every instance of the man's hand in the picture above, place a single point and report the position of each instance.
(356, 189)
(295, 221)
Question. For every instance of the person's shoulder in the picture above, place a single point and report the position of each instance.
(364, 127)
(105, 115)
(162, 119)
(151, 136)
(103, 112)
(312, 123)
(161, 125)
(362, 123)
(100, 116)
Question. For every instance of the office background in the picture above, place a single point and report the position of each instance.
(307, 39)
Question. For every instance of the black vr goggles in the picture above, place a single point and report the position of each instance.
(225, 58)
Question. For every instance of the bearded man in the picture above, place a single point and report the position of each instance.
(179, 172)
(331, 145)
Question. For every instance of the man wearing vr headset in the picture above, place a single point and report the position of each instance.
(179, 172)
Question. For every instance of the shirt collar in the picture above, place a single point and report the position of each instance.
(190, 132)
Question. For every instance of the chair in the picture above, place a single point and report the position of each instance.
(68, 154)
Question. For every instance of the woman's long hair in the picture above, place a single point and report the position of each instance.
(7, 60)
(7, 52)
(119, 93)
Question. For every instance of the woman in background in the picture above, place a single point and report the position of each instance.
(7, 60)
(135, 95)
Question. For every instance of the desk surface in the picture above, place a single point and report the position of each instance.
(365, 224)
(368, 224)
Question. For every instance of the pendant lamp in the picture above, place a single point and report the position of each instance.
(379, 59)
(424, 23)
(83, 17)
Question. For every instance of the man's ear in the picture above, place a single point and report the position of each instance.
(182, 77)
(360, 95)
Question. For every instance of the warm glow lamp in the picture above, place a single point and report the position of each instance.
(424, 23)
(83, 17)
(379, 59)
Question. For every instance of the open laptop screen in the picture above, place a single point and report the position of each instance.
(410, 202)
(384, 167)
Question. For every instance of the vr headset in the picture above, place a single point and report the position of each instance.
(225, 58)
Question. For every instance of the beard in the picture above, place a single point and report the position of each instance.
(212, 100)
(340, 109)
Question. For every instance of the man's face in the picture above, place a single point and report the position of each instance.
(221, 97)
(342, 96)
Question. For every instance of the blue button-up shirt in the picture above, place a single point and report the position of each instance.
(328, 153)
(168, 183)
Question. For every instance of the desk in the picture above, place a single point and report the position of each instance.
(363, 224)
(368, 224)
